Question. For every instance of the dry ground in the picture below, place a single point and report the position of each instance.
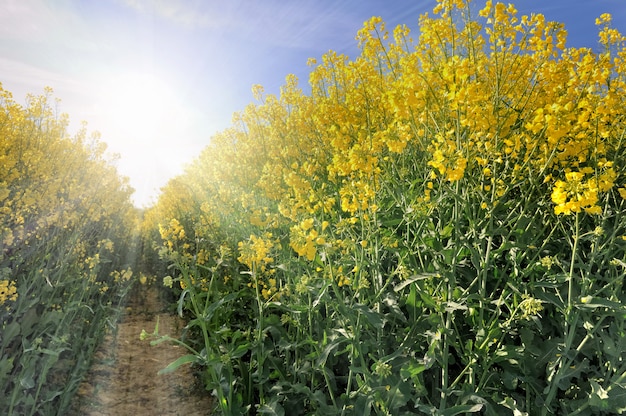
(123, 379)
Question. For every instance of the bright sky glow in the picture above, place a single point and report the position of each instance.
(157, 78)
(138, 104)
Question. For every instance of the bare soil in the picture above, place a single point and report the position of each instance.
(123, 379)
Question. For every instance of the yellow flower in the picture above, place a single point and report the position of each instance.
(305, 243)
(168, 281)
(307, 224)
(381, 369)
(530, 307)
(256, 251)
(604, 19)
(548, 261)
(8, 291)
(576, 194)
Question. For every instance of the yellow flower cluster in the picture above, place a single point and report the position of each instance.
(269, 289)
(255, 253)
(62, 203)
(172, 233)
(530, 307)
(305, 238)
(8, 291)
(447, 160)
(168, 281)
(48, 179)
(200, 283)
(577, 193)
(485, 103)
(123, 276)
(106, 244)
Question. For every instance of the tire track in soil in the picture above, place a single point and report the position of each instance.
(123, 378)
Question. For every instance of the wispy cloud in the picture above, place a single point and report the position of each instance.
(44, 34)
(24, 20)
(187, 13)
(22, 78)
(300, 24)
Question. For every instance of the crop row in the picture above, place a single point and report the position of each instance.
(435, 226)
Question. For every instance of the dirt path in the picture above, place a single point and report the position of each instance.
(123, 379)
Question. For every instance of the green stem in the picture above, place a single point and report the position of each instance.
(449, 314)
(570, 287)
(261, 349)
(571, 317)
(352, 349)
(196, 310)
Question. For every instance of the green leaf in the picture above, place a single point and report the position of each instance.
(411, 370)
(185, 359)
(429, 301)
(466, 408)
(181, 300)
(414, 278)
(161, 339)
(320, 296)
(451, 306)
(398, 395)
(240, 351)
(27, 381)
(433, 243)
(9, 332)
(210, 311)
(411, 299)
(509, 353)
(29, 321)
(363, 405)
(330, 347)
(617, 396)
(273, 409)
(6, 365)
(591, 302)
(599, 397)
(572, 372)
(551, 298)
(510, 379)
(447, 231)
(609, 347)
(372, 317)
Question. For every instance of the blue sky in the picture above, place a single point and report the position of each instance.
(157, 78)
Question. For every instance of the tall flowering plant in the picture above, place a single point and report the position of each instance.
(436, 227)
(66, 251)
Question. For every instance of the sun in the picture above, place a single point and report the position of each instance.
(133, 102)
(138, 105)
(145, 120)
